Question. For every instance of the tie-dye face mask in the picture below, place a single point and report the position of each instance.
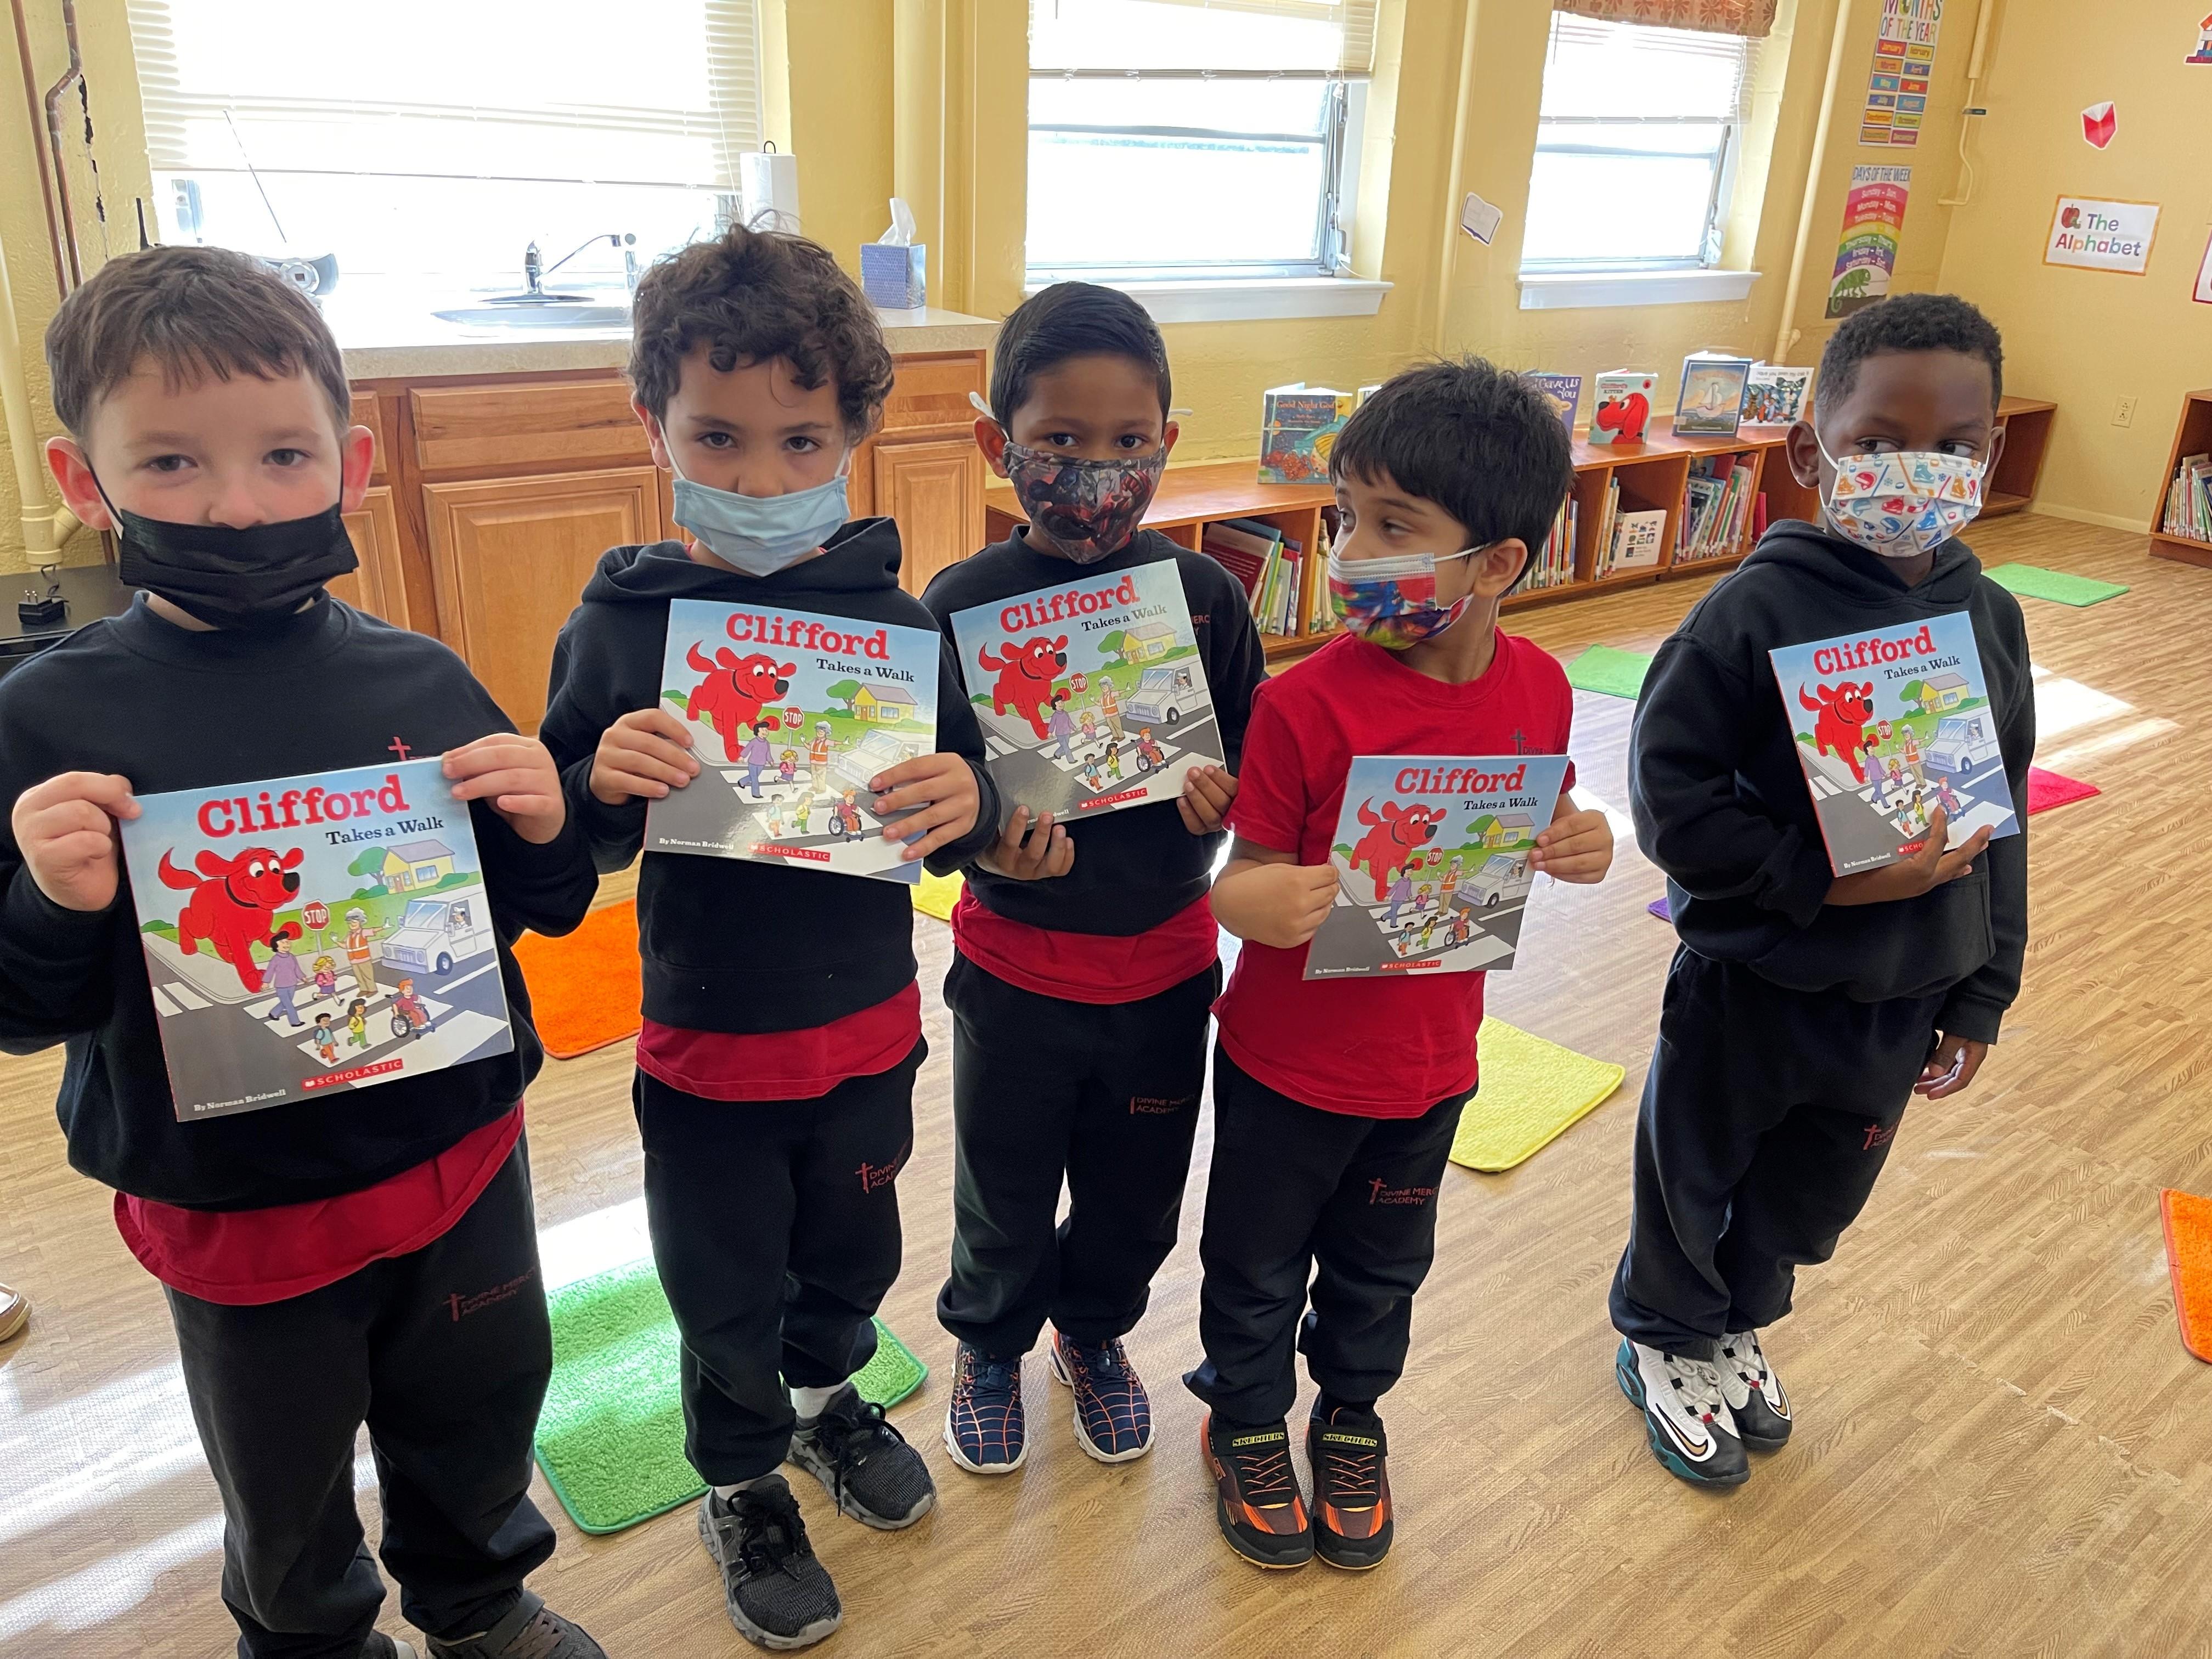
(1088, 508)
(1392, 602)
(1903, 503)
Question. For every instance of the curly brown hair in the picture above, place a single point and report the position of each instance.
(751, 296)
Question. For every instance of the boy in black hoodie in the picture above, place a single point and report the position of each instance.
(1804, 1011)
(782, 1022)
(356, 1255)
(1087, 952)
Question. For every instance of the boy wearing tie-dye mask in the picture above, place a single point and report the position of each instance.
(1086, 952)
(1804, 1010)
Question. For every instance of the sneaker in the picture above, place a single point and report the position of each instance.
(1689, 1424)
(1256, 1502)
(1113, 1413)
(984, 1428)
(778, 1594)
(1350, 1458)
(530, 1631)
(863, 1463)
(1754, 1393)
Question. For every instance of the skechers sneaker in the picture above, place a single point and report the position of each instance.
(985, 1429)
(1754, 1393)
(529, 1630)
(1350, 1458)
(778, 1594)
(1112, 1413)
(1256, 1501)
(1688, 1422)
(863, 1463)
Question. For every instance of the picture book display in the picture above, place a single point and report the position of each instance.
(1092, 694)
(1433, 863)
(1565, 392)
(1710, 403)
(1621, 409)
(1774, 395)
(1638, 541)
(322, 932)
(1298, 424)
(795, 714)
(1891, 726)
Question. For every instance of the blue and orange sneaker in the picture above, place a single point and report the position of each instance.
(1350, 1458)
(1113, 1413)
(985, 1429)
(1256, 1501)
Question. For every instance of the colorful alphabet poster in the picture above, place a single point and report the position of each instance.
(1431, 855)
(325, 932)
(1866, 256)
(1904, 64)
(795, 715)
(2102, 235)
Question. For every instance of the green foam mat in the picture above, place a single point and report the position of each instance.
(1611, 672)
(2032, 582)
(610, 1438)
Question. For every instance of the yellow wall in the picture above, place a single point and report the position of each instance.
(2086, 338)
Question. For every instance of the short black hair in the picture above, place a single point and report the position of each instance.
(1908, 322)
(1478, 441)
(1071, 320)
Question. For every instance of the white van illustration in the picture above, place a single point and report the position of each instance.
(435, 933)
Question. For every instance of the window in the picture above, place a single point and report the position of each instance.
(1192, 138)
(433, 143)
(1636, 148)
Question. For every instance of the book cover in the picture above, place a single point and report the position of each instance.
(327, 931)
(1710, 403)
(1638, 537)
(1621, 406)
(1298, 424)
(1774, 395)
(795, 712)
(1565, 392)
(1889, 726)
(1092, 694)
(1431, 858)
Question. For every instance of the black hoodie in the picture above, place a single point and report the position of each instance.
(730, 944)
(1721, 804)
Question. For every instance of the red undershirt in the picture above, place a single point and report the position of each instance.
(783, 1065)
(1094, 968)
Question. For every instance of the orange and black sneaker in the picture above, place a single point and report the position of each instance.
(1351, 1488)
(1255, 1493)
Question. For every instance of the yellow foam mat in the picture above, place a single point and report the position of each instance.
(937, 894)
(1532, 1093)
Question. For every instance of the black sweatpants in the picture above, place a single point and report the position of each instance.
(1102, 1095)
(1298, 1192)
(445, 1354)
(1766, 1116)
(776, 1231)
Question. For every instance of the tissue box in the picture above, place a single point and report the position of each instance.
(894, 278)
(1298, 424)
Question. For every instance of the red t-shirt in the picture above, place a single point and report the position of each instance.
(783, 1065)
(1389, 1046)
(243, 1258)
(1097, 968)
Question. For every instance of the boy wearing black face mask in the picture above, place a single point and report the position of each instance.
(1087, 953)
(774, 1087)
(1804, 1010)
(316, 1255)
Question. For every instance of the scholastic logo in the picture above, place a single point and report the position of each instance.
(1108, 800)
(771, 849)
(874, 1177)
(351, 1074)
(462, 1306)
(1158, 1106)
(1381, 1192)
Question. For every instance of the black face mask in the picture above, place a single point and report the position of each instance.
(226, 578)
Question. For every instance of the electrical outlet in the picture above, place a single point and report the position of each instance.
(2124, 412)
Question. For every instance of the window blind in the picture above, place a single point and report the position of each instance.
(1598, 71)
(1202, 36)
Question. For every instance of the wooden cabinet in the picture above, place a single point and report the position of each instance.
(510, 557)
(934, 489)
(380, 586)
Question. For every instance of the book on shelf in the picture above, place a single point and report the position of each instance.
(1298, 424)
(1759, 518)
(1247, 555)
(1621, 406)
(1608, 513)
(1637, 537)
(1774, 395)
(1565, 392)
(2189, 499)
(1710, 402)
(1553, 564)
(1717, 507)
(1889, 726)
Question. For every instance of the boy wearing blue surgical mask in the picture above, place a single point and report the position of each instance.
(1335, 1101)
(1804, 1010)
(783, 1024)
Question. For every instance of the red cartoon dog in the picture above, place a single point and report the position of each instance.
(730, 698)
(1388, 846)
(233, 903)
(1843, 710)
(1025, 676)
(1625, 417)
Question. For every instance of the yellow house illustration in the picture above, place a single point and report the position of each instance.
(1147, 641)
(886, 705)
(1943, 691)
(1511, 830)
(416, 863)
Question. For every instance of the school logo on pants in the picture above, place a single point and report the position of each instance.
(874, 1177)
(1879, 1135)
(1381, 1192)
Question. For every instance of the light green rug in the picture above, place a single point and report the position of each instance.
(2032, 582)
(610, 1438)
(1614, 674)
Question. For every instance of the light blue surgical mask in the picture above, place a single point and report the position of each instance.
(760, 535)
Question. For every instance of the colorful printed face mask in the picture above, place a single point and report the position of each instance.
(1903, 503)
(1088, 508)
(1392, 602)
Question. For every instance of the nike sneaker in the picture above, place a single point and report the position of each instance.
(1684, 1415)
(1754, 1393)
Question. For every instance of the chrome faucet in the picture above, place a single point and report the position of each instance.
(535, 270)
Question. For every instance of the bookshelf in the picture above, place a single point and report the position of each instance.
(2192, 435)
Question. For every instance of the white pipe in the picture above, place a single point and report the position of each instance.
(45, 528)
(1786, 332)
(1973, 107)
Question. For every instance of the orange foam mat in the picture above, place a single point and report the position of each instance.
(2189, 1258)
(586, 989)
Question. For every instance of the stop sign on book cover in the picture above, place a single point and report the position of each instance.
(317, 916)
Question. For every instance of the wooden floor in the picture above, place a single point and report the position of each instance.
(2003, 1448)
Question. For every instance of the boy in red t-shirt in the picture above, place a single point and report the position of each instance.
(1335, 1101)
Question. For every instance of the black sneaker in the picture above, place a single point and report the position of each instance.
(1350, 1458)
(1256, 1502)
(1754, 1393)
(778, 1594)
(863, 1463)
(1685, 1418)
(531, 1630)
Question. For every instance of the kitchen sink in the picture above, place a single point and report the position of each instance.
(538, 314)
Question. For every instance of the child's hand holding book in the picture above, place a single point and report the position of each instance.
(1925, 871)
(518, 775)
(1274, 900)
(938, 793)
(66, 829)
(1030, 851)
(645, 753)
